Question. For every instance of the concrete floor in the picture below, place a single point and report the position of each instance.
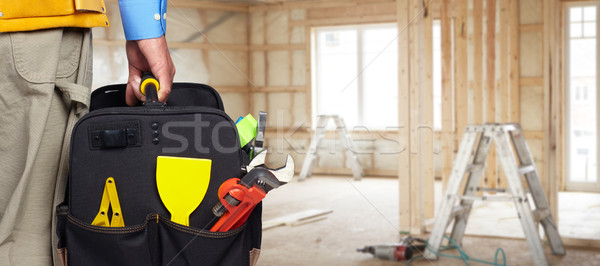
(366, 213)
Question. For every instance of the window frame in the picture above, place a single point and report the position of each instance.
(575, 185)
(360, 29)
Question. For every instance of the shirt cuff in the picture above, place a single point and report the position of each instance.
(143, 19)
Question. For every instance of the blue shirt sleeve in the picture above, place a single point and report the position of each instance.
(143, 19)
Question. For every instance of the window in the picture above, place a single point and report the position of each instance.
(581, 76)
(356, 74)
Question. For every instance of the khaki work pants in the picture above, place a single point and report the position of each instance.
(45, 80)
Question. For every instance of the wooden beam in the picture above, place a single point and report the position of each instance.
(417, 186)
(404, 164)
(491, 83)
(277, 47)
(530, 27)
(345, 20)
(447, 95)
(478, 62)
(531, 81)
(551, 95)
(231, 7)
(513, 53)
(503, 92)
(279, 89)
(426, 134)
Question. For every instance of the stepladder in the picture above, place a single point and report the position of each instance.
(524, 189)
(348, 145)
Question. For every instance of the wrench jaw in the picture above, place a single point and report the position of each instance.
(283, 174)
(238, 197)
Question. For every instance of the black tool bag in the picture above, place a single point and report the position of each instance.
(123, 142)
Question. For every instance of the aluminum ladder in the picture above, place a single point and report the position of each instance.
(312, 155)
(472, 162)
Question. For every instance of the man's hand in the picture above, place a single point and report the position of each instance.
(151, 55)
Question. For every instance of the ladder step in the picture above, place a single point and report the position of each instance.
(475, 167)
(489, 198)
(526, 169)
(487, 189)
(539, 215)
(457, 210)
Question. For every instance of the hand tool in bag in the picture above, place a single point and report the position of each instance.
(402, 250)
(260, 134)
(250, 129)
(182, 183)
(246, 128)
(110, 198)
(238, 197)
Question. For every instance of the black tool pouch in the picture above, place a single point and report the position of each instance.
(123, 143)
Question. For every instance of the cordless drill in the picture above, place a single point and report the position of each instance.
(402, 250)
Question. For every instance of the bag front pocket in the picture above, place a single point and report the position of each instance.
(183, 245)
(97, 245)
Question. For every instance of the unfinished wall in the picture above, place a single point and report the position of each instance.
(208, 44)
(281, 81)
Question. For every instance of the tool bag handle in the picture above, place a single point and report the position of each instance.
(149, 86)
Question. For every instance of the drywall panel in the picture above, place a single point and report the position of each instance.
(228, 68)
(532, 108)
(530, 56)
(229, 27)
(191, 66)
(536, 147)
(185, 25)
(260, 104)
(530, 11)
(279, 110)
(258, 68)
(298, 68)
(278, 63)
(300, 112)
(277, 27)
(258, 28)
(297, 35)
(298, 14)
(236, 104)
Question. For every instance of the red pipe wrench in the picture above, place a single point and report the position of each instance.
(238, 197)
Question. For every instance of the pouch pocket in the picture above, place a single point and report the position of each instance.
(97, 245)
(183, 245)
(158, 241)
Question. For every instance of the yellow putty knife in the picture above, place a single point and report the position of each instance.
(182, 183)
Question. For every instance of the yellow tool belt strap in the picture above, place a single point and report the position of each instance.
(28, 15)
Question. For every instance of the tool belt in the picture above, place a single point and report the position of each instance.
(113, 173)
